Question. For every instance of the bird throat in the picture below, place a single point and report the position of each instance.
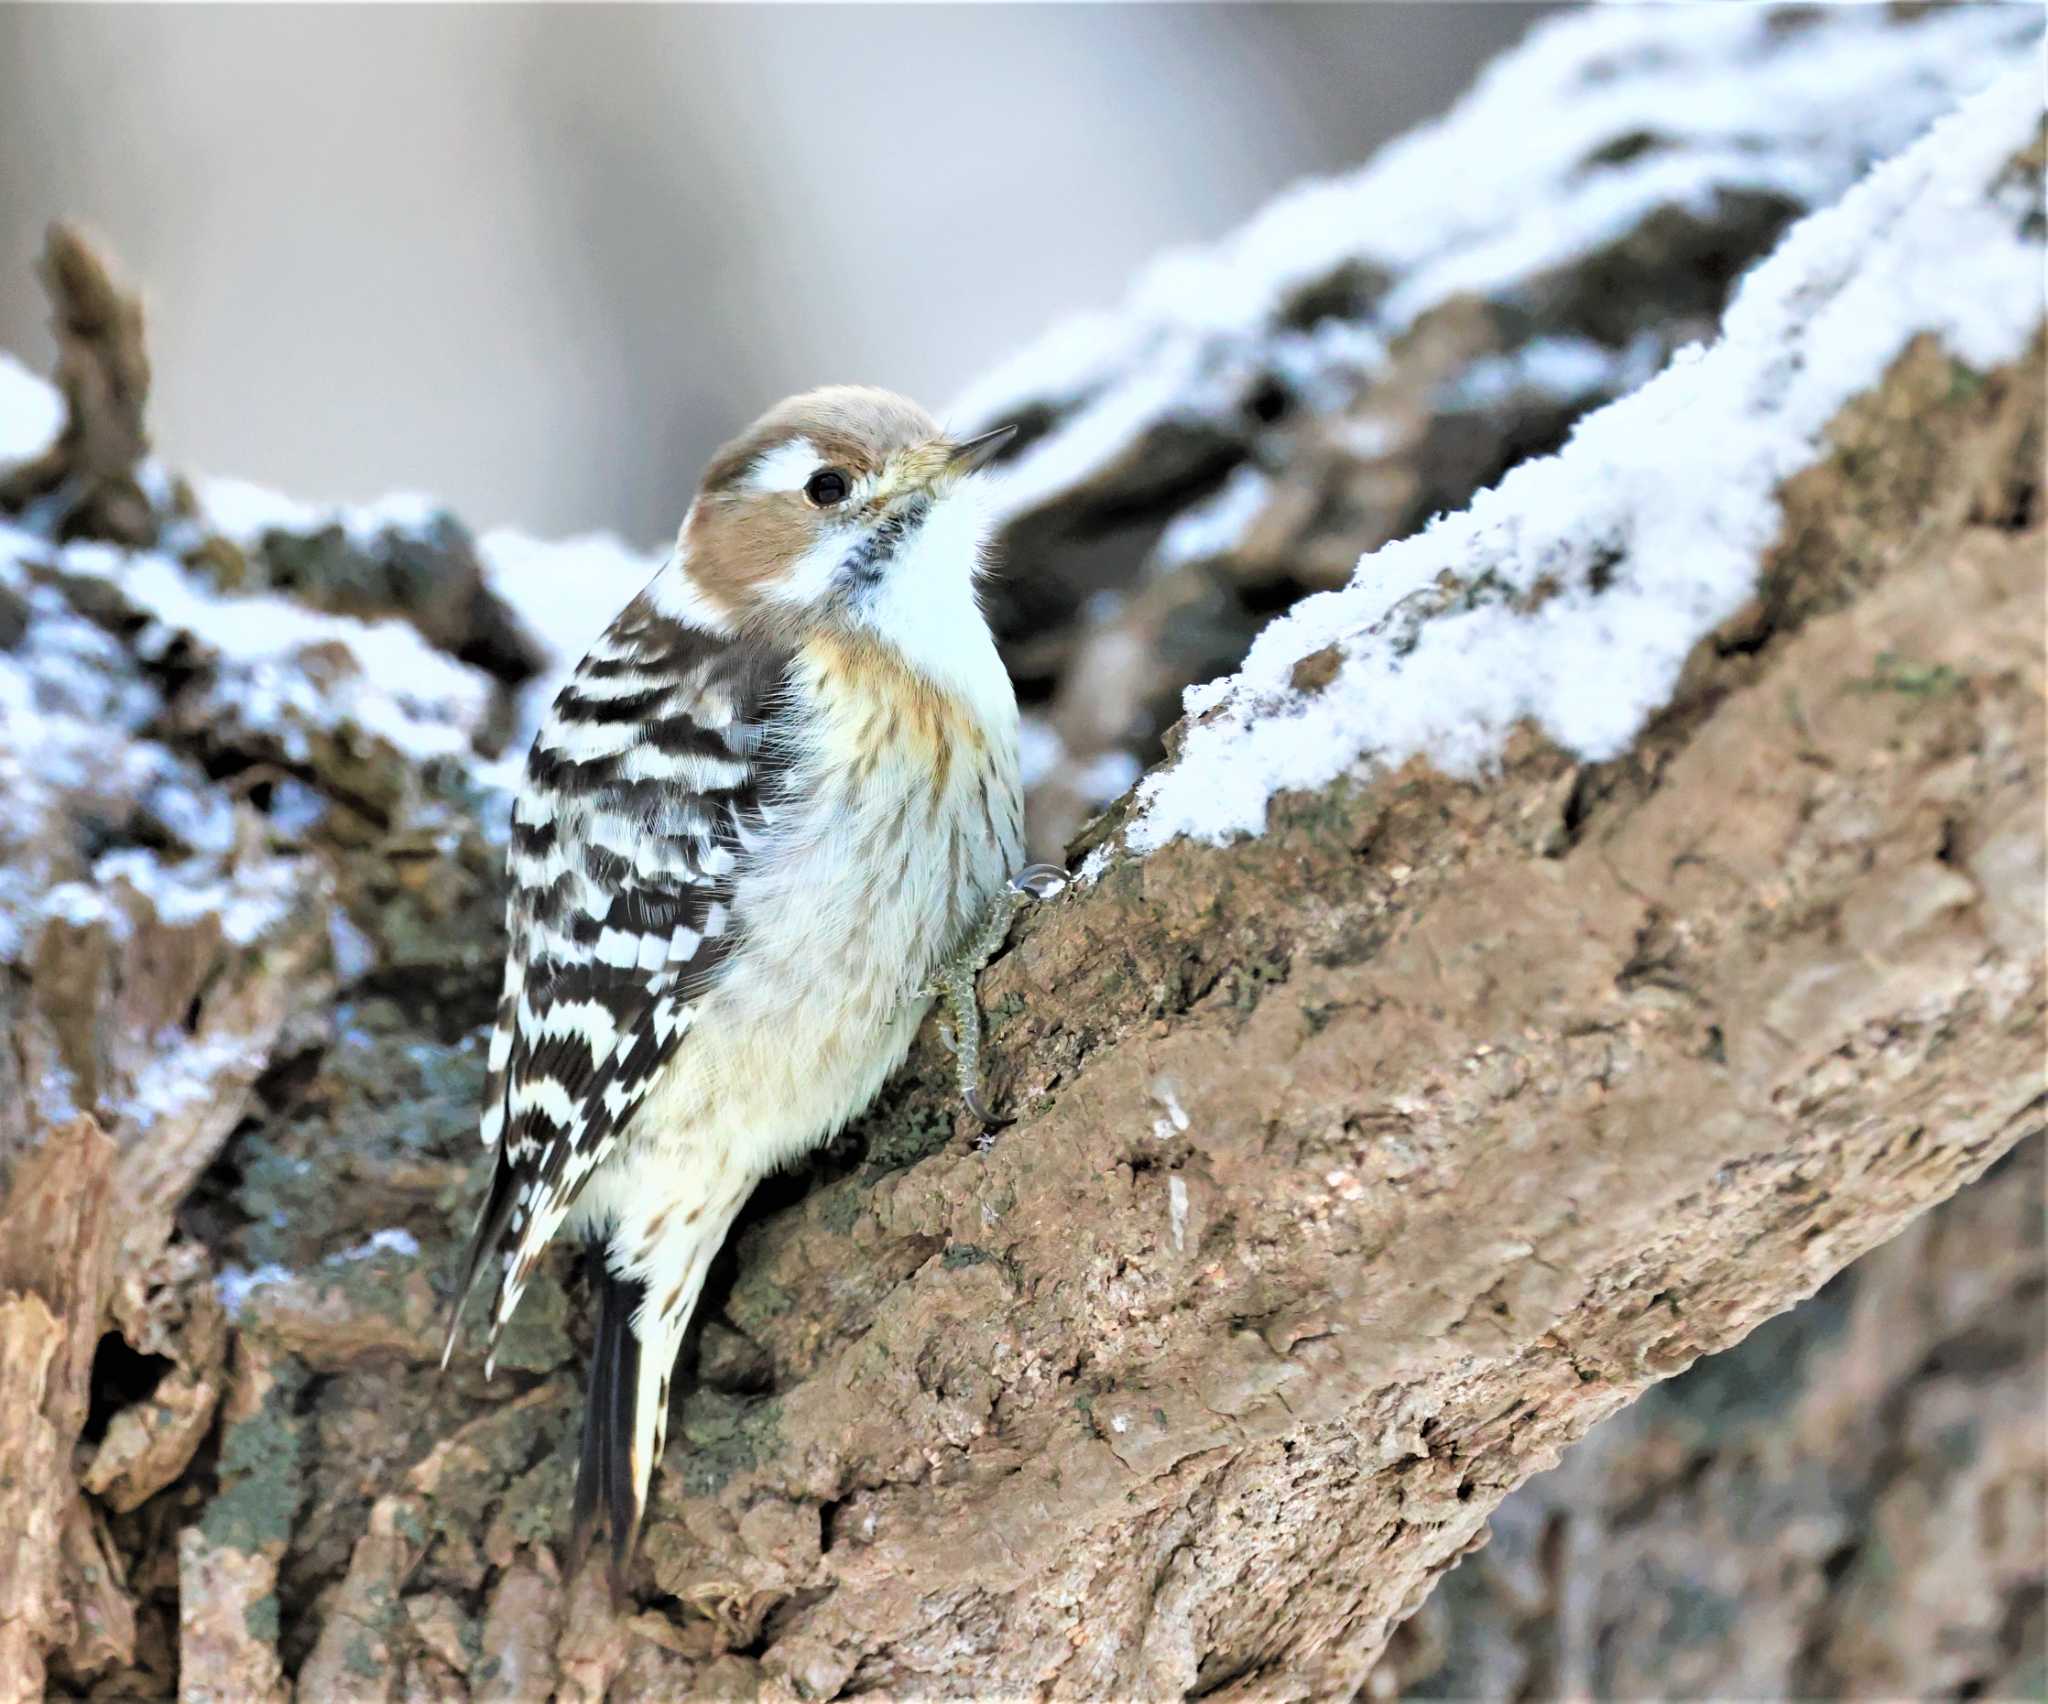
(863, 566)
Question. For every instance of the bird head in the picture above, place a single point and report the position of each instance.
(841, 508)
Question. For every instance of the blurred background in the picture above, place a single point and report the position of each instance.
(540, 262)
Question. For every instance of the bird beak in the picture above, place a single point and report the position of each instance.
(938, 466)
(963, 459)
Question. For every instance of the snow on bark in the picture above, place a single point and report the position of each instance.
(1571, 595)
(1368, 354)
(1600, 118)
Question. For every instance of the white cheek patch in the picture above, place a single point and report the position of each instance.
(786, 467)
(809, 579)
(677, 596)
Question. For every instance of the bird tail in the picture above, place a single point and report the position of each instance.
(491, 1222)
(610, 1485)
(625, 1417)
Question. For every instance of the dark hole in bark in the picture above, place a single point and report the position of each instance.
(120, 1376)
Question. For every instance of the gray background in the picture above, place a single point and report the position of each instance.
(540, 261)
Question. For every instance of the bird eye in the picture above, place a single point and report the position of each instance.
(827, 487)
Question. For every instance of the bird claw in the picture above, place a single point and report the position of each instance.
(976, 1105)
(1040, 881)
(955, 983)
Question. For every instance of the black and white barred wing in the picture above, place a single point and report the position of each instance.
(643, 787)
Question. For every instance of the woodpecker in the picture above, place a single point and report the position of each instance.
(771, 815)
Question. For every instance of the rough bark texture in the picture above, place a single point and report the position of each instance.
(1357, 1171)
(1363, 1168)
(1846, 1504)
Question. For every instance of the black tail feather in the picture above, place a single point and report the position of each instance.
(491, 1220)
(596, 1406)
(620, 1492)
(604, 1472)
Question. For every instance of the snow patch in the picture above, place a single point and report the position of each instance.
(393, 1241)
(1106, 776)
(1648, 528)
(1215, 527)
(237, 1285)
(354, 953)
(183, 1073)
(1175, 1122)
(1567, 368)
(234, 1285)
(392, 684)
(244, 512)
(1711, 101)
(1039, 749)
(251, 900)
(565, 593)
(31, 413)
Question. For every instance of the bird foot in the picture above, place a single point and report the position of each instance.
(955, 982)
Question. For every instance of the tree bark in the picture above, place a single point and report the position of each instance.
(1364, 1166)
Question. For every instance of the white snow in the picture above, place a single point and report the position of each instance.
(354, 953)
(79, 905)
(1184, 378)
(1215, 526)
(64, 666)
(181, 1073)
(1106, 776)
(1651, 522)
(250, 900)
(565, 591)
(1567, 368)
(1723, 99)
(75, 705)
(1039, 748)
(31, 413)
(393, 1241)
(1174, 1122)
(295, 809)
(69, 695)
(244, 512)
(234, 1285)
(398, 687)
